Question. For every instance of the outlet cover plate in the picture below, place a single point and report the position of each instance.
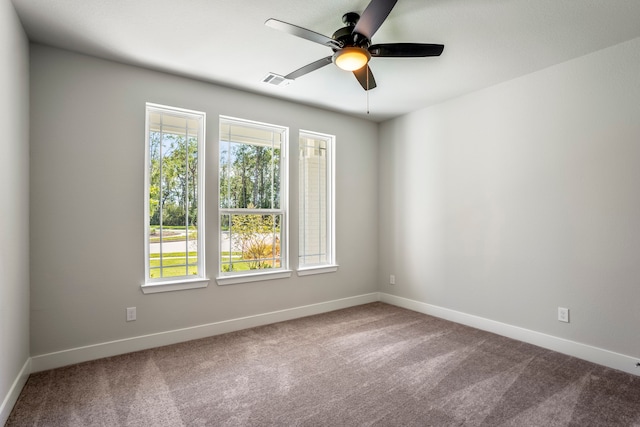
(563, 314)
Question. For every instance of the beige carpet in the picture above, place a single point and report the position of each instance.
(370, 365)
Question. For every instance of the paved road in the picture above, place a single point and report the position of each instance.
(179, 246)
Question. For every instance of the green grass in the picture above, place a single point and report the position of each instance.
(234, 254)
(172, 227)
(192, 236)
(171, 261)
(173, 272)
(172, 254)
(177, 258)
(168, 260)
(238, 264)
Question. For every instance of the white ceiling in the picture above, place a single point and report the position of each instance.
(226, 42)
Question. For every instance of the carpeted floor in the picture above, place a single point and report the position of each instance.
(369, 365)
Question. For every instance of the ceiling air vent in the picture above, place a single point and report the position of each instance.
(276, 80)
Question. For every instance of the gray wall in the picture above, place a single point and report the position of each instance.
(512, 201)
(14, 206)
(87, 171)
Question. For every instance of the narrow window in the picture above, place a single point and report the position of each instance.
(316, 203)
(174, 204)
(252, 196)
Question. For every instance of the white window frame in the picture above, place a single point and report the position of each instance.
(330, 265)
(179, 282)
(230, 278)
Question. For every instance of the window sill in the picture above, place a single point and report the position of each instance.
(256, 277)
(174, 285)
(308, 271)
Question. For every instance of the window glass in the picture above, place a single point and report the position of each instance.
(173, 241)
(315, 198)
(252, 197)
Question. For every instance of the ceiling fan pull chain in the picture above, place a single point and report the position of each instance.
(367, 102)
(367, 89)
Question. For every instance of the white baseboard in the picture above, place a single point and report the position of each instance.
(112, 348)
(14, 392)
(561, 345)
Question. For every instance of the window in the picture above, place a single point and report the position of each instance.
(253, 201)
(316, 204)
(174, 199)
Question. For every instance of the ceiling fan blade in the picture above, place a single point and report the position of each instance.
(309, 68)
(365, 78)
(406, 50)
(302, 33)
(373, 17)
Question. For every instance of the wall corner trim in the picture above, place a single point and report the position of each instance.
(72, 356)
(14, 392)
(586, 352)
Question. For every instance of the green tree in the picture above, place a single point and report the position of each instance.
(249, 174)
(173, 179)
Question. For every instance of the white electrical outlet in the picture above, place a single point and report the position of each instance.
(563, 314)
(392, 279)
(131, 314)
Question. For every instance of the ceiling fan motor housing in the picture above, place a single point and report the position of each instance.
(350, 19)
(347, 37)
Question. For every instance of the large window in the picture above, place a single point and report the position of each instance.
(253, 201)
(174, 204)
(316, 205)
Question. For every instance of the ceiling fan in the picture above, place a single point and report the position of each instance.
(352, 44)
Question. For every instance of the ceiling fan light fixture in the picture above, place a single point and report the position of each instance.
(351, 58)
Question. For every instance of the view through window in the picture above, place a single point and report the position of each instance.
(252, 197)
(174, 237)
(315, 210)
